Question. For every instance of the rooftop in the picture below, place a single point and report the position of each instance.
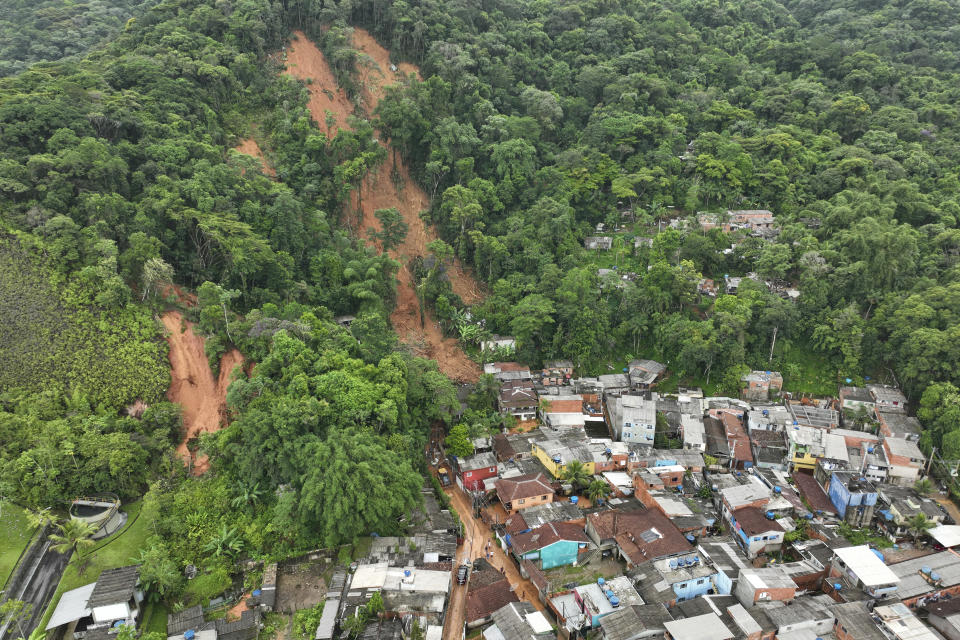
(72, 606)
(856, 394)
(546, 535)
(753, 521)
(912, 581)
(745, 493)
(905, 448)
(709, 626)
(629, 622)
(641, 535)
(810, 489)
(510, 489)
(114, 586)
(814, 416)
(775, 577)
(559, 511)
(869, 569)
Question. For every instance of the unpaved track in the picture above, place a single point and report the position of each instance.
(377, 191)
(192, 385)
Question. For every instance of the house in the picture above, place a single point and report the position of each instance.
(694, 433)
(708, 626)
(519, 621)
(738, 443)
(756, 531)
(560, 511)
(898, 622)
(562, 411)
(405, 590)
(507, 371)
(761, 385)
(768, 584)
(946, 535)
(853, 398)
(898, 425)
(523, 492)
(707, 287)
(519, 399)
(800, 618)
(638, 536)
(632, 418)
(769, 449)
(554, 544)
(488, 591)
(772, 417)
(888, 399)
(190, 618)
(929, 578)
(855, 622)
(473, 470)
(636, 622)
(73, 613)
(863, 568)
(898, 505)
(757, 221)
(555, 450)
(614, 383)
(496, 343)
(585, 606)
(597, 243)
(813, 493)
(945, 617)
(873, 463)
(807, 445)
(671, 580)
(853, 496)
(247, 627)
(644, 373)
(906, 461)
(116, 597)
(752, 493)
(807, 415)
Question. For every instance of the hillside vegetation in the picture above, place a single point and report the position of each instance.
(34, 31)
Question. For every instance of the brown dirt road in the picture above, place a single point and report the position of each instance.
(477, 535)
(192, 385)
(305, 61)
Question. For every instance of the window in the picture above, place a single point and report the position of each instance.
(521, 501)
(700, 581)
(467, 474)
(683, 586)
(543, 497)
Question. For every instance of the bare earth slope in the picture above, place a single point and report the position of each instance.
(192, 384)
(305, 61)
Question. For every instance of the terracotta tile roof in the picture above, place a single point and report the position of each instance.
(545, 535)
(489, 590)
(643, 535)
(515, 524)
(753, 521)
(810, 489)
(562, 406)
(528, 486)
(503, 448)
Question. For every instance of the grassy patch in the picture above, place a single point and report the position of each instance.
(15, 535)
(118, 550)
(155, 618)
(815, 373)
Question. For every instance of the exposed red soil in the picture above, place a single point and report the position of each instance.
(192, 385)
(378, 192)
(251, 148)
(304, 61)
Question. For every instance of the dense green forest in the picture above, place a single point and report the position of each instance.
(534, 122)
(34, 31)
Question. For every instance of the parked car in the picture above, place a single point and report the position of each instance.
(462, 573)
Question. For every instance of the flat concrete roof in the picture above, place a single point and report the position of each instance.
(870, 569)
(709, 626)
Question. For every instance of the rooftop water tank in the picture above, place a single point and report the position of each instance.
(869, 449)
(925, 570)
(690, 537)
(837, 586)
(614, 601)
(673, 564)
(770, 515)
(934, 576)
(574, 499)
(406, 573)
(600, 581)
(879, 554)
(189, 634)
(777, 490)
(256, 592)
(556, 459)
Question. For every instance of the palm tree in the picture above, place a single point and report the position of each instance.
(597, 490)
(247, 495)
(74, 536)
(918, 525)
(576, 474)
(225, 543)
(923, 486)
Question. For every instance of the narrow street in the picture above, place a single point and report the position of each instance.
(949, 506)
(476, 535)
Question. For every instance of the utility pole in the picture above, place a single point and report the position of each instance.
(933, 452)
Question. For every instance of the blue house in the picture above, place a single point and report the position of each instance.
(853, 496)
(550, 545)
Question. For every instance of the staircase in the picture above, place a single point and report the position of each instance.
(588, 557)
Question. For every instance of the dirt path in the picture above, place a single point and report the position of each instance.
(192, 385)
(251, 148)
(949, 505)
(477, 535)
(378, 191)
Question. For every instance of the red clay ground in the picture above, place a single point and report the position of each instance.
(192, 385)
(378, 192)
(251, 148)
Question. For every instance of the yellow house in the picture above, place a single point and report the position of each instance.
(809, 444)
(555, 456)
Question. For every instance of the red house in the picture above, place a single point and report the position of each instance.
(472, 471)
